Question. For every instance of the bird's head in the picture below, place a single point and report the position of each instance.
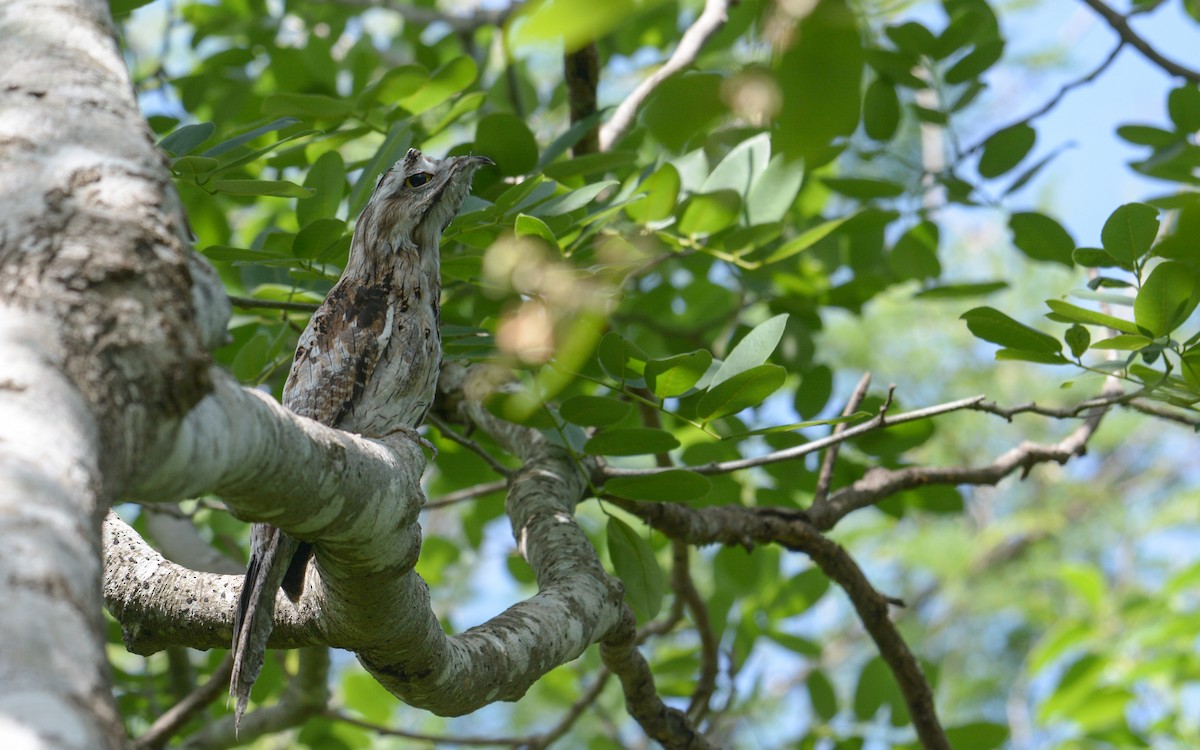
(415, 200)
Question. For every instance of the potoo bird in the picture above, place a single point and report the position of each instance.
(367, 362)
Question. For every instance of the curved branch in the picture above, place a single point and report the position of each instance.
(711, 19)
(1120, 24)
(739, 525)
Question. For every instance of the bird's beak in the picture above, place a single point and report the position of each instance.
(481, 161)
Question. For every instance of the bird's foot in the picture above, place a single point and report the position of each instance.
(412, 434)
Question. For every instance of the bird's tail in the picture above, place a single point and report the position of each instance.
(271, 553)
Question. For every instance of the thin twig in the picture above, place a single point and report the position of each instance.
(1058, 97)
(469, 493)
(581, 704)
(681, 581)
(174, 718)
(474, 741)
(825, 475)
(711, 19)
(269, 304)
(469, 444)
(879, 422)
(1120, 24)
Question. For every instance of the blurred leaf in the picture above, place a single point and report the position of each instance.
(573, 23)
(881, 110)
(1006, 149)
(276, 188)
(393, 148)
(709, 214)
(980, 735)
(635, 564)
(662, 190)
(774, 192)
(975, 62)
(683, 106)
(915, 253)
(820, 76)
(630, 441)
(1041, 238)
(738, 171)
(862, 188)
(506, 139)
(594, 411)
(445, 82)
(573, 200)
(958, 291)
(314, 240)
(327, 179)
(877, 688)
(531, 226)
(672, 486)
(822, 695)
(308, 107)
(225, 147)
(806, 239)
(1146, 135)
(1183, 104)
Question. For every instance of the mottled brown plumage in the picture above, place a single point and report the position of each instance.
(367, 362)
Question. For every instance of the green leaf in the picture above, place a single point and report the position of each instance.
(881, 110)
(1083, 315)
(1129, 232)
(1024, 355)
(185, 139)
(820, 76)
(507, 140)
(742, 391)
(992, 325)
(1077, 338)
(774, 191)
(863, 188)
(572, 23)
(744, 163)
(958, 291)
(822, 695)
(975, 62)
(857, 416)
(1124, 342)
(753, 350)
(594, 411)
(682, 106)
(318, 238)
(396, 84)
(1183, 104)
(122, 8)
(1146, 135)
(1006, 149)
(394, 145)
(877, 688)
(915, 253)
(671, 486)
(630, 441)
(1094, 257)
(327, 180)
(981, 735)
(912, 37)
(661, 191)
(225, 147)
(635, 564)
(573, 200)
(307, 107)
(1041, 238)
(445, 82)
(621, 359)
(277, 188)
(673, 376)
(1167, 298)
(532, 226)
(709, 214)
(806, 239)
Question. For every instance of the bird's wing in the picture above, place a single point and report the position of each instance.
(338, 351)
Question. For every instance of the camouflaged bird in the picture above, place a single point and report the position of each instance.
(367, 362)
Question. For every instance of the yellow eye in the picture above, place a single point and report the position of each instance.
(417, 180)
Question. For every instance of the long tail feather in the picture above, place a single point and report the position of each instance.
(270, 556)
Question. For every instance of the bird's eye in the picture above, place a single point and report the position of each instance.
(417, 180)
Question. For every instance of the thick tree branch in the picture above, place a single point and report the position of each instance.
(710, 20)
(1120, 24)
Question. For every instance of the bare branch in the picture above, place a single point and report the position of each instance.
(879, 422)
(1120, 24)
(468, 740)
(448, 432)
(739, 525)
(469, 493)
(711, 19)
(572, 715)
(825, 475)
(880, 483)
(165, 726)
(681, 582)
